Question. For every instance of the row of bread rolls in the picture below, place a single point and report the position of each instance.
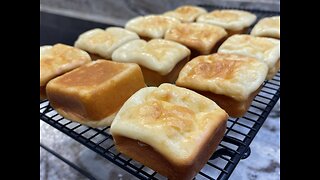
(173, 130)
(233, 21)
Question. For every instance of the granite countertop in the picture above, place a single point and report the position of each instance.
(264, 161)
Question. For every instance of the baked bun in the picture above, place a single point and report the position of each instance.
(102, 43)
(234, 21)
(93, 93)
(151, 26)
(160, 60)
(202, 38)
(170, 129)
(267, 27)
(56, 60)
(186, 13)
(264, 49)
(232, 81)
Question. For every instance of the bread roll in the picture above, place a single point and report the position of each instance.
(151, 26)
(58, 59)
(186, 13)
(160, 60)
(170, 129)
(102, 43)
(234, 21)
(267, 27)
(203, 39)
(93, 93)
(264, 49)
(232, 81)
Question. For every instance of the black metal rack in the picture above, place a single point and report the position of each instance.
(234, 146)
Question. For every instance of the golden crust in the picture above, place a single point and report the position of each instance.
(104, 42)
(227, 74)
(263, 49)
(95, 91)
(186, 13)
(59, 59)
(174, 121)
(158, 54)
(201, 37)
(267, 27)
(153, 159)
(233, 107)
(228, 19)
(151, 26)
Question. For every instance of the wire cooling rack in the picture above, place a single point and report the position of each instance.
(233, 147)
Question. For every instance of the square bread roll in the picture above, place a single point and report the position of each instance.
(160, 60)
(264, 49)
(234, 21)
(101, 43)
(202, 39)
(58, 59)
(151, 26)
(186, 13)
(232, 81)
(93, 93)
(267, 27)
(170, 129)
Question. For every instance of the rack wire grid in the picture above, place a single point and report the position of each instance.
(233, 147)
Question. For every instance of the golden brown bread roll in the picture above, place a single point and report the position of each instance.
(58, 59)
(234, 21)
(160, 60)
(232, 81)
(151, 26)
(93, 93)
(264, 49)
(267, 27)
(101, 43)
(186, 13)
(170, 129)
(202, 39)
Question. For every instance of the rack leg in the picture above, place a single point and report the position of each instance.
(247, 153)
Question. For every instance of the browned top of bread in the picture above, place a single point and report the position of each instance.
(186, 13)
(159, 55)
(58, 59)
(93, 75)
(267, 27)
(230, 19)
(151, 26)
(103, 42)
(174, 121)
(202, 37)
(88, 94)
(264, 49)
(232, 75)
